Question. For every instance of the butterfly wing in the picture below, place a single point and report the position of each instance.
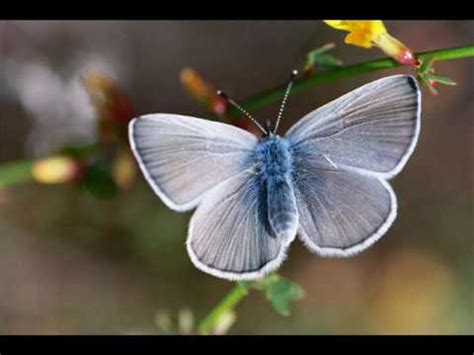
(343, 153)
(372, 130)
(183, 157)
(229, 233)
(340, 212)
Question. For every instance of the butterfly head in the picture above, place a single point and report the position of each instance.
(270, 133)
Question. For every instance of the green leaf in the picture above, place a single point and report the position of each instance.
(422, 79)
(327, 60)
(280, 292)
(426, 64)
(319, 57)
(322, 49)
(432, 89)
(440, 79)
(99, 182)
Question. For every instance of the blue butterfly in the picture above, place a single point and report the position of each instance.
(324, 180)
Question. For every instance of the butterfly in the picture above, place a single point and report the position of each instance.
(325, 180)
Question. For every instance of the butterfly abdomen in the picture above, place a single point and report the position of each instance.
(275, 166)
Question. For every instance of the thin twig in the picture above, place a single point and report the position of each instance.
(228, 303)
(18, 172)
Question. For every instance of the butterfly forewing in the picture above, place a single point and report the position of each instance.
(183, 157)
(372, 129)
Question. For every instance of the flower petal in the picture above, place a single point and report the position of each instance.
(362, 33)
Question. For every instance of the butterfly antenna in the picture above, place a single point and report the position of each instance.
(241, 109)
(294, 73)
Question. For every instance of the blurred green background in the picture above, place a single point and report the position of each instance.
(75, 264)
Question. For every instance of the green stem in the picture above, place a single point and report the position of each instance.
(305, 83)
(235, 295)
(15, 172)
(240, 290)
(18, 172)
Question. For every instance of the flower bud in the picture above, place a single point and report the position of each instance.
(109, 101)
(366, 34)
(56, 170)
(124, 169)
(202, 91)
(197, 87)
(219, 105)
(395, 49)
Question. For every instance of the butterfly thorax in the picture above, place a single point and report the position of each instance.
(275, 166)
(274, 159)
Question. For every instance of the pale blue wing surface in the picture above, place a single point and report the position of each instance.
(373, 129)
(183, 157)
(229, 234)
(341, 213)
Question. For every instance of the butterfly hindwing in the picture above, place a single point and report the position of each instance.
(341, 212)
(229, 234)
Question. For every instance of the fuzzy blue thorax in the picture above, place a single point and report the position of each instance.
(275, 166)
(275, 160)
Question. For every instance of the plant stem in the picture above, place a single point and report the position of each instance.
(18, 172)
(15, 172)
(305, 83)
(235, 295)
(240, 290)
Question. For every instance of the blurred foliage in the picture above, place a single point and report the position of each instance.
(280, 292)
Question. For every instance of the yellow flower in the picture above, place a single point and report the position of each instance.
(55, 170)
(361, 33)
(370, 33)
